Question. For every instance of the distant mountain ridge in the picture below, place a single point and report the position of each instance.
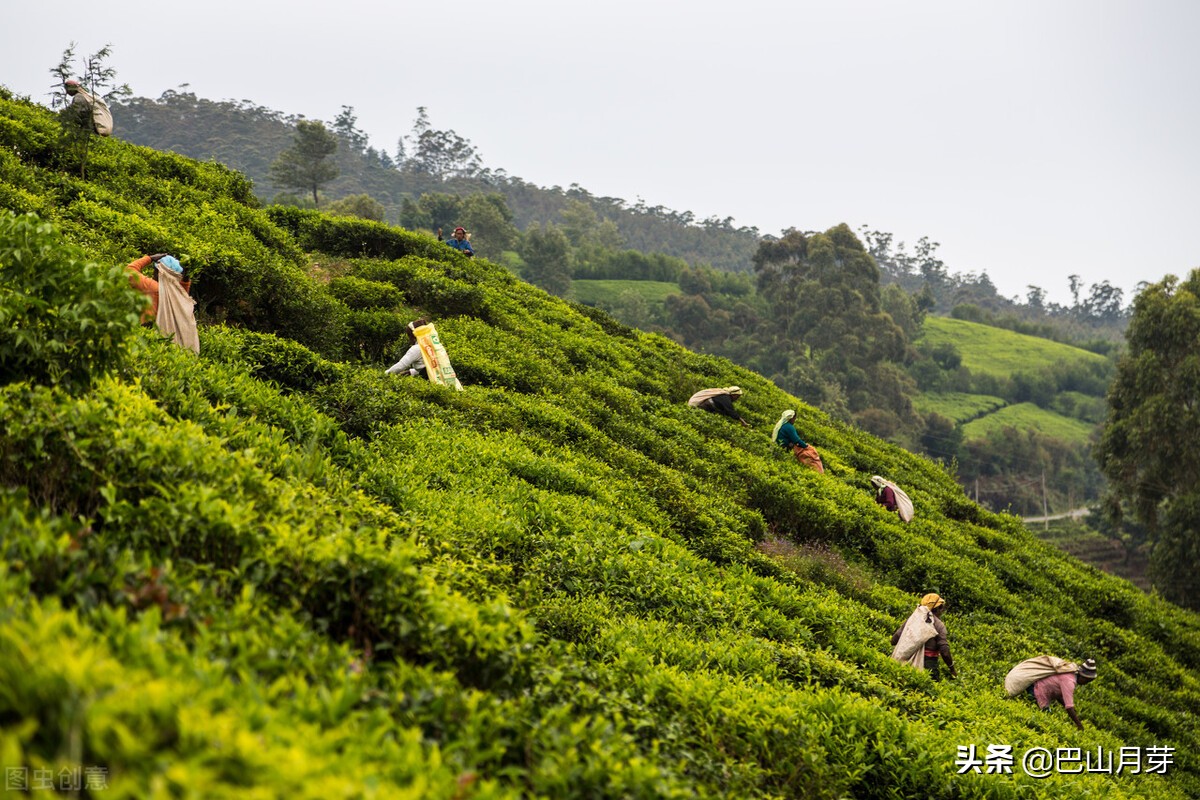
(248, 137)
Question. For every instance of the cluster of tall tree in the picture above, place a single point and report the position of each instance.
(829, 331)
(1150, 448)
(1099, 314)
(306, 164)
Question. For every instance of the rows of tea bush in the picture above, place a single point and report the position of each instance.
(274, 570)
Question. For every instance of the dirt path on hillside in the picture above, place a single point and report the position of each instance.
(1074, 513)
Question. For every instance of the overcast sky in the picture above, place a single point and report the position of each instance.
(1033, 140)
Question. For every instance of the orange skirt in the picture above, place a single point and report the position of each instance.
(809, 457)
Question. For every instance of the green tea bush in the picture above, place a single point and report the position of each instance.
(55, 556)
(29, 132)
(354, 238)
(280, 360)
(13, 196)
(376, 336)
(430, 285)
(364, 295)
(299, 308)
(124, 697)
(172, 491)
(607, 324)
(63, 319)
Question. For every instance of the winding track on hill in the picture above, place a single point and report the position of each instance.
(1074, 513)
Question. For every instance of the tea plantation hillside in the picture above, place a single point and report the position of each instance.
(275, 571)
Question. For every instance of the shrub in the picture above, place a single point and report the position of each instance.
(63, 319)
(363, 295)
(353, 238)
(431, 286)
(271, 358)
(298, 307)
(375, 335)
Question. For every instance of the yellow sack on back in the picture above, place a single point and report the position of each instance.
(437, 361)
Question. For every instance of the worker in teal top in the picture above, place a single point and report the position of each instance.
(458, 241)
(785, 436)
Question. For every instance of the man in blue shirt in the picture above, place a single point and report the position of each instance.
(458, 241)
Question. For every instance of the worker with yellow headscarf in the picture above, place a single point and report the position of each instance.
(937, 648)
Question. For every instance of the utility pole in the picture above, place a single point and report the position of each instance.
(1045, 508)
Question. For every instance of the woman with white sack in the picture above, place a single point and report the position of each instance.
(922, 639)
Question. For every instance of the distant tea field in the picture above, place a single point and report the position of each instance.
(607, 292)
(958, 406)
(987, 350)
(1027, 416)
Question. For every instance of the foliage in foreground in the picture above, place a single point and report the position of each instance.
(274, 571)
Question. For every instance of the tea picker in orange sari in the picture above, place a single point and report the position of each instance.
(785, 436)
(171, 308)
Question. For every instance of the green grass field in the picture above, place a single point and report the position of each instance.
(994, 351)
(958, 406)
(1080, 406)
(1027, 416)
(607, 292)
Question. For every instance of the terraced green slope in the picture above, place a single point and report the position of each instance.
(958, 406)
(274, 571)
(1028, 417)
(610, 291)
(994, 351)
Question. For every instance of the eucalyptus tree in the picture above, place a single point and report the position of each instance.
(1150, 445)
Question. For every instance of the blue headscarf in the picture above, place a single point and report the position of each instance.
(171, 263)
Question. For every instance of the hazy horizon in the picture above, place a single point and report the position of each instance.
(1033, 141)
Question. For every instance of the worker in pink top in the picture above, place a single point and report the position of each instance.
(1061, 687)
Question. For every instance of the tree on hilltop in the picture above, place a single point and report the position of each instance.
(546, 252)
(346, 126)
(362, 206)
(440, 154)
(305, 165)
(829, 322)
